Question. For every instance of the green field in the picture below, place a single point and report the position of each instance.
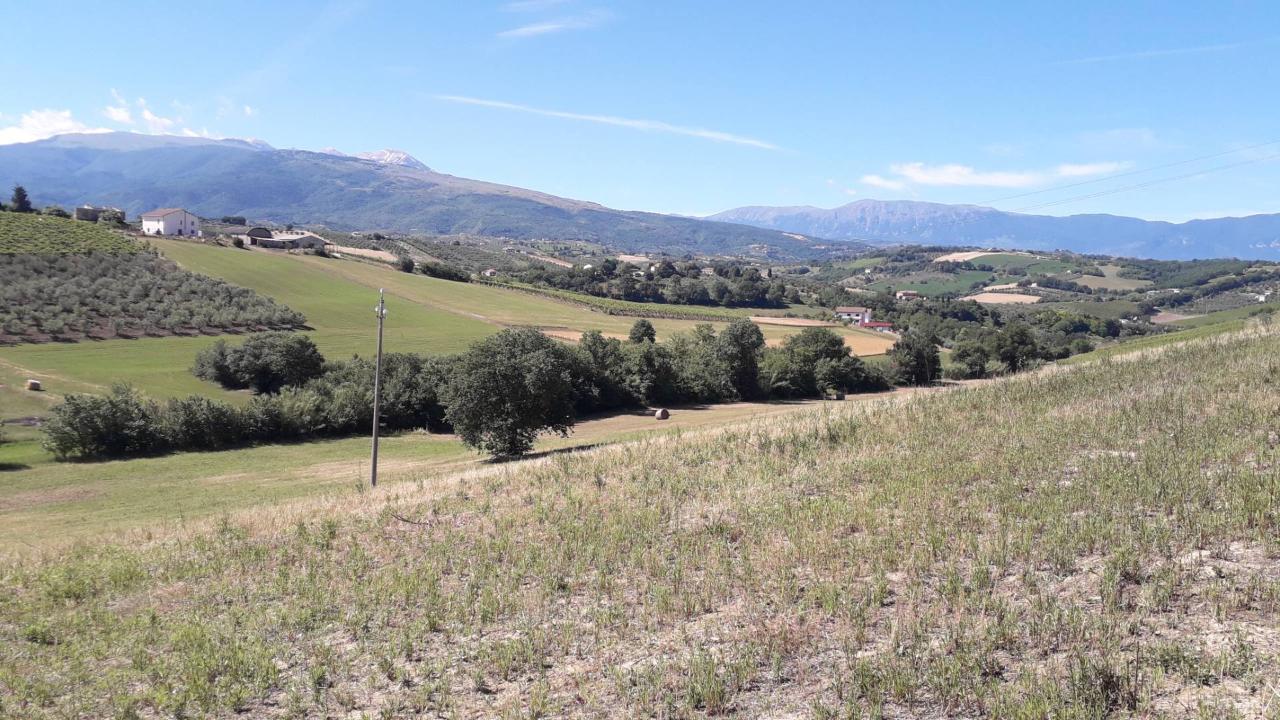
(45, 503)
(1089, 542)
(1108, 309)
(1239, 313)
(1030, 263)
(934, 283)
(28, 233)
(1155, 341)
(1110, 281)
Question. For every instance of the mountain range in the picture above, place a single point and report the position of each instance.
(904, 221)
(388, 190)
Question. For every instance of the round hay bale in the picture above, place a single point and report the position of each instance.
(662, 414)
(33, 384)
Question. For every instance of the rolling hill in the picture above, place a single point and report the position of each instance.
(388, 190)
(904, 221)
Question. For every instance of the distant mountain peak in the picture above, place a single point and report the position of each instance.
(390, 156)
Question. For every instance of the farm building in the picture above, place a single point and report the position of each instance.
(852, 312)
(884, 327)
(91, 213)
(490, 273)
(907, 295)
(170, 221)
(283, 239)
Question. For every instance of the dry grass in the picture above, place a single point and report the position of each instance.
(1089, 542)
(1001, 298)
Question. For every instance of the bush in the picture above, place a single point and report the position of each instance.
(265, 362)
(118, 424)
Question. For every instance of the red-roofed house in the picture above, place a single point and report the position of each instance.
(170, 221)
(878, 326)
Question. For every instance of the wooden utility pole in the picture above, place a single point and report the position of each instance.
(381, 310)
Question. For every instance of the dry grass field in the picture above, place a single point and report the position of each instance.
(1091, 542)
(1002, 298)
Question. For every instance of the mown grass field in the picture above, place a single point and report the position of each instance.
(1091, 542)
(1110, 281)
(1240, 313)
(47, 504)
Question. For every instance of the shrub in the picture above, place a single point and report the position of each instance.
(118, 424)
(265, 362)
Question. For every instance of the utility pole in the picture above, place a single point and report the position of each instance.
(381, 310)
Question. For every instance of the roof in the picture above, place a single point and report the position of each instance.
(851, 309)
(161, 212)
(877, 324)
(908, 292)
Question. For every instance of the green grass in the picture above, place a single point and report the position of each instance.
(1032, 264)
(45, 503)
(1149, 342)
(1239, 313)
(28, 233)
(1110, 281)
(1106, 309)
(1091, 542)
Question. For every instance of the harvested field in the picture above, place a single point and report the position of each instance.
(1000, 298)
(791, 322)
(379, 255)
(1164, 317)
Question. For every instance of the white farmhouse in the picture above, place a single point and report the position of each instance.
(170, 221)
(857, 314)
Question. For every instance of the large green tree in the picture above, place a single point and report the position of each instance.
(915, 359)
(509, 388)
(642, 331)
(1016, 346)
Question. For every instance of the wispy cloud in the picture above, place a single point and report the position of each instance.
(1167, 52)
(120, 111)
(41, 124)
(546, 27)
(831, 183)
(883, 182)
(634, 124)
(956, 175)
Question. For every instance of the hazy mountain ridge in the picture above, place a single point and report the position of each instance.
(907, 221)
(389, 191)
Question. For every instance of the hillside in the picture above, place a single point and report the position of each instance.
(1072, 543)
(904, 221)
(214, 178)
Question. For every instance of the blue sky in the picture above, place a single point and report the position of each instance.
(699, 107)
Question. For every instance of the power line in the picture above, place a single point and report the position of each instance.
(1149, 183)
(1129, 173)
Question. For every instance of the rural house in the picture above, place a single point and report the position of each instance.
(490, 273)
(283, 239)
(884, 327)
(857, 314)
(170, 221)
(907, 295)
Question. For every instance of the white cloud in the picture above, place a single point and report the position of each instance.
(850, 192)
(546, 27)
(156, 124)
(883, 182)
(962, 175)
(41, 124)
(120, 111)
(955, 175)
(249, 111)
(645, 125)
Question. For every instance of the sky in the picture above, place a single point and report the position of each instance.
(1157, 110)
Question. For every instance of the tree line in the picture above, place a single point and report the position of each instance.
(498, 396)
(677, 283)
